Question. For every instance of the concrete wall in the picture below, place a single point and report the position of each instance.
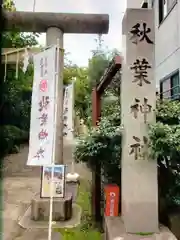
(167, 38)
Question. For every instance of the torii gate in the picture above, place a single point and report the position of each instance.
(109, 73)
(55, 25)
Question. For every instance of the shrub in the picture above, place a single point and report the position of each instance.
(102, 144)
(11, 138)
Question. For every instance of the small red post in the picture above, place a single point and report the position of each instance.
(112, 200)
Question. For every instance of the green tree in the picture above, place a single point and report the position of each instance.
(165, 147)
(82, 93)
(16, 92)
(15, 38)
(88, 78)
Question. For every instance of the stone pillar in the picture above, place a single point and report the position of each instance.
(52, 35)
(138, 99)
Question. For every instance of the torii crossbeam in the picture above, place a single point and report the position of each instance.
(67, 22)
(41, 21)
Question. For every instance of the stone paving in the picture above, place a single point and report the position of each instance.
(20, 183)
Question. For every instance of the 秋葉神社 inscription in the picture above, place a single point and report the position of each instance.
(138, 101)
(139, 148)
(144, 108)
(140, 68)
(140, 33)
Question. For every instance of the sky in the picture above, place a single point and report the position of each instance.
(80, 45)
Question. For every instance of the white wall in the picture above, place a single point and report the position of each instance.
(167, 39)
(134, 3)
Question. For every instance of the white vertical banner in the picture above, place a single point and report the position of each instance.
(43, 105)
(68, 112)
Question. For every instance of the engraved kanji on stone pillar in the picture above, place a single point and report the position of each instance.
(138, 100)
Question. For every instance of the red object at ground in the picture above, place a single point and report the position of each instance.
(112, 200)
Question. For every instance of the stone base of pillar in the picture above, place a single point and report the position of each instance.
(140, 216)
(115, 230)
(62, 208)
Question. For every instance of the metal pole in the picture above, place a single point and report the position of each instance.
(53, 156)
(54, 36)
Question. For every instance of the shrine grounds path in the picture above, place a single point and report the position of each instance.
(20, 183)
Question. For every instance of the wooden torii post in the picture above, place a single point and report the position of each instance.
(55, 25)
(110, 72)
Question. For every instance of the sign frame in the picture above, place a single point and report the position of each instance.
(63, 167)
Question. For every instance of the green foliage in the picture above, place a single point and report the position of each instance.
(110, 107)
(167, 112)
(16, 39)
(16, 93)
(88, 78)
(11, 138)
(102, 144)
(82, 90)
(164, 134)
(80, 235)
(82, 93)
(165, 142)
(15, 109)
(70, 73)
(97, 65)
(165, 147)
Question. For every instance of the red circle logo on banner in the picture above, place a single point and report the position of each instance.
(43, 85)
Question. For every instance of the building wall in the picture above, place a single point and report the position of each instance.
(134, 3)
(167, 42)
